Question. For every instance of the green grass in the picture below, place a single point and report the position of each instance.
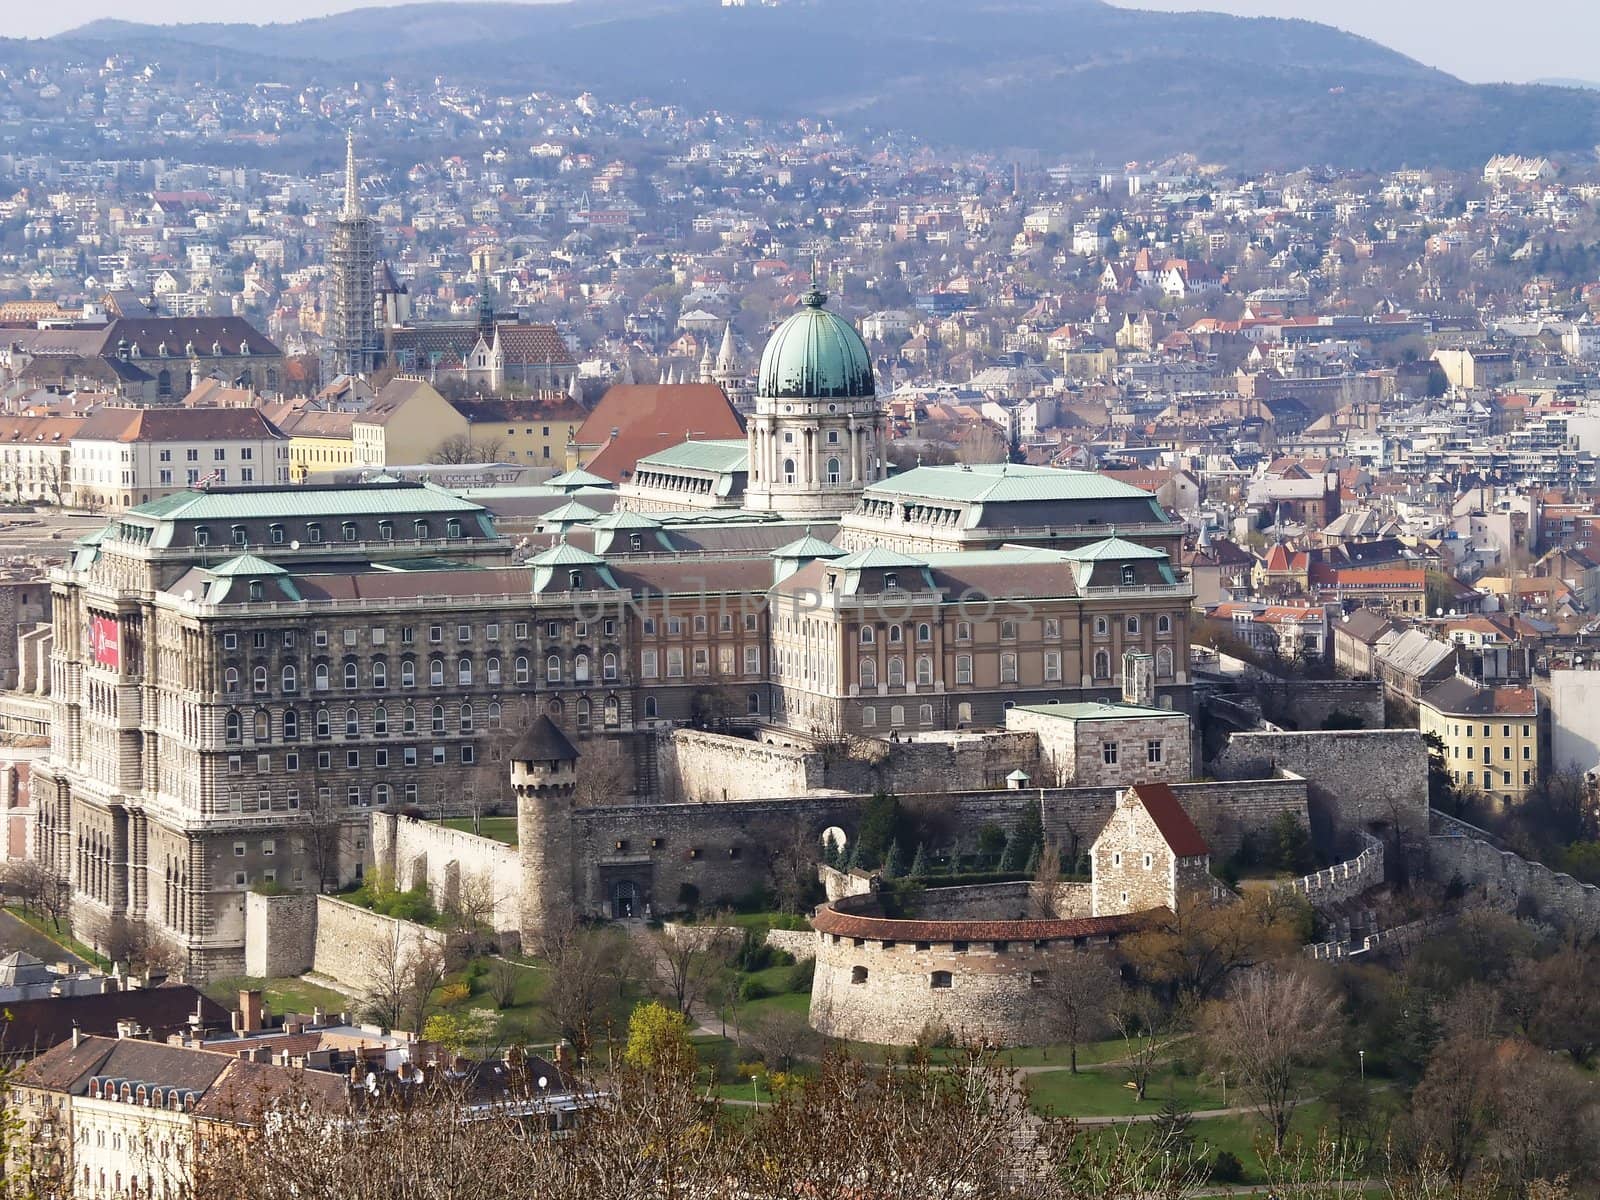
(1102, 1093)
(282, 995)
(500, 829)
(523, 1020)
(1089, 1054)
(64, 939)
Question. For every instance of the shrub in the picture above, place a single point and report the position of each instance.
(454, 993)
(753, 989)
(800, 975)
(1225, 1167)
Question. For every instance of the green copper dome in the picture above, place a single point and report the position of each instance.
(815, 354)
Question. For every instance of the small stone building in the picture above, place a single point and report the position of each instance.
(1102, 744)
(1150, 855)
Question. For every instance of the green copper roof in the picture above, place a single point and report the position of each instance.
(571, 511)
(1112, 549)
(719, 455)
(875, 557)
(369, 500)
(815, 353)
(1002, 483)
(621, 518)
(245, 564)
(578, 477)
(564, 554)
(808, 547)
(1095, 711)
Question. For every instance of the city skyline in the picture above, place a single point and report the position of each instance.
(1441, 33)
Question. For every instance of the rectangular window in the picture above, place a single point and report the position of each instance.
(963, 668)
(702, 661)
(675, 663)
(491, 633)
(1152, 751)
(1008, 667)
(291, 762)
(1052, 665)
(521, 629)
(752, 660)
(1108, 753)
(647, 664)
(438, 756)
(435, 633)
(352, 759)
(381, 758)
(409, 756)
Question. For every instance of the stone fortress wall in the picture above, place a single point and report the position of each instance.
(972, 970)
(445, 861)
(1459, 852)
(294, 934)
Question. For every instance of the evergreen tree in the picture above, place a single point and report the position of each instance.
(880, 825)
(919, 862)
(894, 865)
(830, 851)
(1170, 1130)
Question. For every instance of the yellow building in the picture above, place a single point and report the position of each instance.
(1490, 735)
(320, 444)
(527, 432)
(408, 424)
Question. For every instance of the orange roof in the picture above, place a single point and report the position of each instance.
(639, 419)
(1176, 826)
(1380, 576)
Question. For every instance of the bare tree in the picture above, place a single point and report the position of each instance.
(460, 450)
(1080, 999)
(601, 779)
(794, 867)
(37, 888)
(1270, 1027)
(404, 974)
(1148, 1029)
(589, 974)
(689, 958)
(425, 972)
(782, 1038)
(324, 833)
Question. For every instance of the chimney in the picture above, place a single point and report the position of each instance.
(251, 1009)
(564, 1058)
(77, 1035)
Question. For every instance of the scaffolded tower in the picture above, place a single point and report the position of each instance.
(352, 258)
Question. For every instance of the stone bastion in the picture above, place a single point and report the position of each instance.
(967, 960)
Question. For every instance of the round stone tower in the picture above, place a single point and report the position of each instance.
(543, 778)
(818, 434)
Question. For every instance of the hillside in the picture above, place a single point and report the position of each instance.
(1065, 77)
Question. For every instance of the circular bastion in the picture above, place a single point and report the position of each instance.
(971, 961)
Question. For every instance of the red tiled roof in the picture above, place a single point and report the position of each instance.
(831, 921)
(649, 418)
(1182, 837)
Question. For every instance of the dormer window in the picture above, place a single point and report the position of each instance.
(347, 530)
(575, 578)
(313, 532)
(202, 536)
(452, 529)
(890, 580)
(386, 531)
(239, 536)
(255, 590)
(1127, 574)
(275, 534)
(420, 529)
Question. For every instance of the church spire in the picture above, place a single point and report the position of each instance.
(727, 358)
(352, 192)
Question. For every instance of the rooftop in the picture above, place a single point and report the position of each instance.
(1004, 483)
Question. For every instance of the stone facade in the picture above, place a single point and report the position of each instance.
(1332, 886)
(353, 944)
(1135, 870)
(280, 935)
(24, 603)
(1113, 745)
(1512, 880)
(1370, 780)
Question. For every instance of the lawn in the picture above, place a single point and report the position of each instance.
(289, 995)
(500, 829)
(1102, 1093)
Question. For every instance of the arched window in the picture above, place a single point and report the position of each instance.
(583, 713)
(491, 670)
(608, 666)
(352, 722)
(924, 633)
(467, 718)
(408, 719)
(833, 470)
(408, 673)
(580, 668)
(552, 669)
(869, 717)
(1133, 625)
(897, 715)
(964, 713)
(1164, 662)
(522, 669)
(752, 704)
(380, 673)
(324, 723)
(436, 672)
(322, 677)
(352, 677)
(1101, 627)
(897, 671)
(291, 678)
(869, 672)
(291, 725)
(164, 383)
(464, 672)
(924, 671)
(896, 635)
(650, 708)
(867, 635)
(230, 679)
(233, 727)
(380, 721)
(494, 714)
(438, 718)
(858, 974)
(259, 681)
(1164, 624)
(788, 470)
(1102, 664)
(263, 724)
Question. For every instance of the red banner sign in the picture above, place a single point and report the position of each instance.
(105, 644)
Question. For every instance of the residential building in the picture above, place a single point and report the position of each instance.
(407, 424)
(122, 457)
(1491, 735)
(36, 459)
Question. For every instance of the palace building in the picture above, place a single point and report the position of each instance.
(242, 676)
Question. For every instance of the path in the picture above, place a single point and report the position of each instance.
(703, 1021)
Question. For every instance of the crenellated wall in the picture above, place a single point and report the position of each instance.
(1513, 880)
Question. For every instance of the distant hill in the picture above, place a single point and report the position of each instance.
(1062, 76)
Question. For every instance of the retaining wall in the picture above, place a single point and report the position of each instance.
(354, 945)
(1513, 880)
(280, 934)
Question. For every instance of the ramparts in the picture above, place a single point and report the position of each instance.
(450, 863)
(1456, 854)
(1344, 881)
